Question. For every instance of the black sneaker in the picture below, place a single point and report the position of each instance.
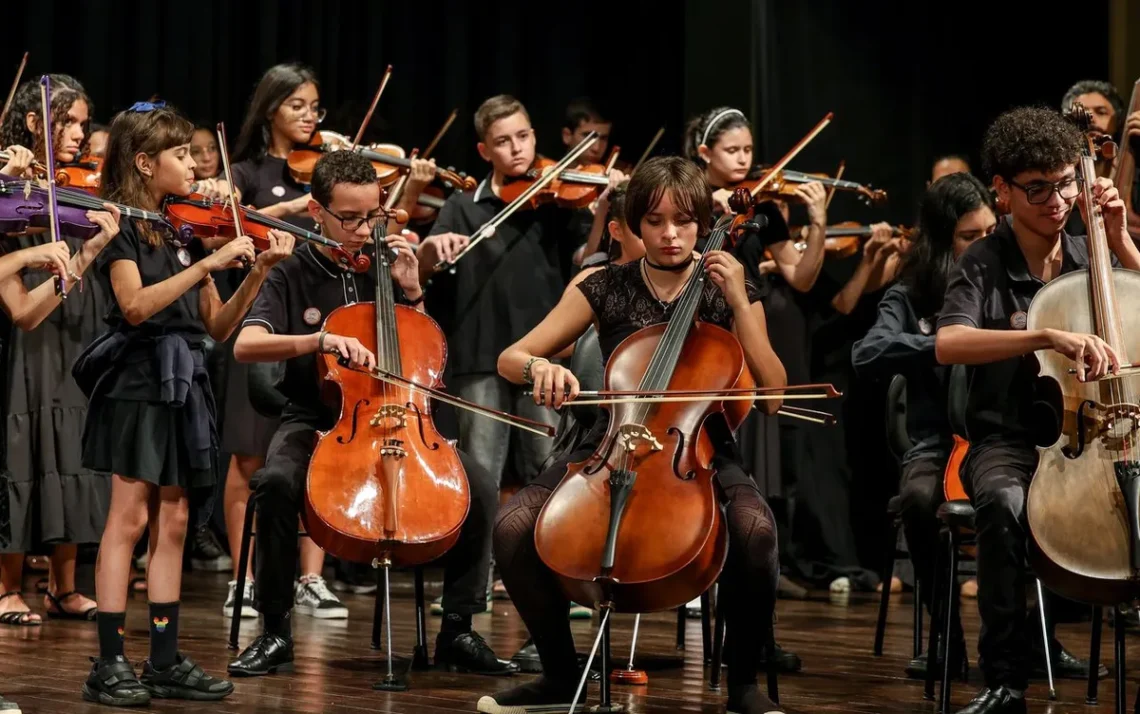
(995, 701)
(267, 654)
(7, 706)
(113, 682)
(540, 696)
(470, 653)
(1065, 665)
(207, 554)
(786, 662)
(184, 680)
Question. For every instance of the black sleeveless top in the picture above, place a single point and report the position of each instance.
(623, 304)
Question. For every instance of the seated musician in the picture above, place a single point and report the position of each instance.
(285, 325)
(1032, 155)
(956, 211)
(668, 207)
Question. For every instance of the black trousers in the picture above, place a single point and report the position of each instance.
(748, 581)
(996, 477)
(921, 491)
(279, 489)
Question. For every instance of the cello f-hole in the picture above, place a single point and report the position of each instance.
(420, 420)
(1069, 451)
(355, 417)
(677, 453)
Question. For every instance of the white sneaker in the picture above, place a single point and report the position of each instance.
(247, 609)
(693, 608)
(312, 597)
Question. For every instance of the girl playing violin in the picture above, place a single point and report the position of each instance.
(284, 112)
(151, 418)
(57, 502)
(668, 207)
(956, 211)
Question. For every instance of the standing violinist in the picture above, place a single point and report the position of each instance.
(956, 211)
(668, 207)
(284, 112)
(285, 325)
(1031, 154)
(151, 422)
(56, 502)
(502, 288)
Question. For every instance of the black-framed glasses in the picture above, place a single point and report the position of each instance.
(301, 108)
(1037, 193)
(353, 223)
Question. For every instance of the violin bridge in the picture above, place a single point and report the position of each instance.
(631, 436)
(395, 412)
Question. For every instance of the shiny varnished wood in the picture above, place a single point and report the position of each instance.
(43, 668)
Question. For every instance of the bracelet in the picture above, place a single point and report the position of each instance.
(530, 363)
(321, 342)
(418, 300)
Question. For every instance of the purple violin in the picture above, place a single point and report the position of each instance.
(24, 205)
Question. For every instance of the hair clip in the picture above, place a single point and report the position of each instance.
(143, 107)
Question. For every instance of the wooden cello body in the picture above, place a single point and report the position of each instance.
(1083, 505)
(383, 482)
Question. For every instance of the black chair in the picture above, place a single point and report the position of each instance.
(899, 442)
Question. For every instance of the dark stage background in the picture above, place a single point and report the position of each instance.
(906, 80)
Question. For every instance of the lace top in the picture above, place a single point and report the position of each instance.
(623, 304)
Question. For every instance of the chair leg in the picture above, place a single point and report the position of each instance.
(243, 566)
(885, 576)
(681, 627)
(948, 644)
(772, 671)
(1121, 684)
(1094, 655)
(378, 614)
(718, 643)
(936, 610)
(420, 653)
(917, 618)
(706, 624)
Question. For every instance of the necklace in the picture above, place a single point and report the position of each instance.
(652, 288)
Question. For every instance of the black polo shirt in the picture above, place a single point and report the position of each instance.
(991, 288)
(266, 182)
(902, 342)
(507, 283)
(296, 298)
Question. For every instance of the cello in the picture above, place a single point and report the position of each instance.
(1083, 504)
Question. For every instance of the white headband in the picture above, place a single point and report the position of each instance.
(714, 120)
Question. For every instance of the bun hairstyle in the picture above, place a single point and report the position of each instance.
(707, 128)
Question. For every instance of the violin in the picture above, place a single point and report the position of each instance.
(572, 188)
(84, 173)
(783, 184)
(1083, 505)
(843, 240)
(389, 161)
(24, 205)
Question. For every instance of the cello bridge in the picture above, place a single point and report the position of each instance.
(394, 412)
(630, 436)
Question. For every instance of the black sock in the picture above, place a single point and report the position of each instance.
(455, 624)
(111, 626)
(163, 634)
(278, 625)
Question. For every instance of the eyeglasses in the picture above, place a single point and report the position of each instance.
(1037, 193)
(301, 108)
(353, 223)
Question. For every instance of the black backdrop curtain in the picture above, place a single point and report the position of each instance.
(206, 57)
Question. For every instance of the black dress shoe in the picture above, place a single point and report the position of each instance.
(268, 654)
(469, 652)
(916, 668)
(1065, 665)
(786, 662)
(527, 658)
(995, 701)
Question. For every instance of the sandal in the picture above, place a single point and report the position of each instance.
(19, 619)
(184, 680)
(113, 682)
(87, 615)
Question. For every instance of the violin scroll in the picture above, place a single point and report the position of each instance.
(1101, 146)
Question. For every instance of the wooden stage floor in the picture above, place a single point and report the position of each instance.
(42, 668)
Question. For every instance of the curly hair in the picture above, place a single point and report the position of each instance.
(336, 167)
(65, 91)
(1030, 139)
(927, 265)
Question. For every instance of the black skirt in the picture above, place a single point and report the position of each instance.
(141, 440)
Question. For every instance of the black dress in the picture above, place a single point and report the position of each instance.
(151, 414)
(262, 182)
(52, 498)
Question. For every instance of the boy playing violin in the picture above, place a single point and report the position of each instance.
(285, 325)
(1032, 155)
